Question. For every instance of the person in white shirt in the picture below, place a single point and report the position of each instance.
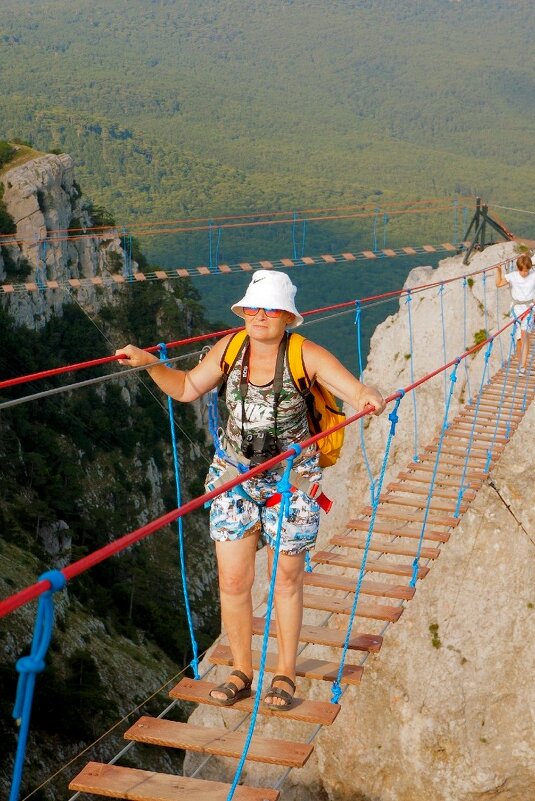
(522, 284)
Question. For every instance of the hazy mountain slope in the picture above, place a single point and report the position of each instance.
(179, 108)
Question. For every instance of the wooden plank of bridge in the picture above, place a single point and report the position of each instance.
(317, 712)
(308, 668)
(143, 785)
(321, 635)
(400, 486)
(220, 742)
(473, 484)
(426, 465)
(398, 531)
(400, 549)
(394, 514)
(342, 606)
(330, 582)
(419, 503)
(373, 565)
(467, 435)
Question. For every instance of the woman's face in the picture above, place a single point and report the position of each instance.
(267, 329)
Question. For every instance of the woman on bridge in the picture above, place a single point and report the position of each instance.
(522, 284)
(264, 420)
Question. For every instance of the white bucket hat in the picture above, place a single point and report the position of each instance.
(270, 290)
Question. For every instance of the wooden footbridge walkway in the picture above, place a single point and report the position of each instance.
(384, 594)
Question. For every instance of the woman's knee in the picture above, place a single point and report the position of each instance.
(235, 582)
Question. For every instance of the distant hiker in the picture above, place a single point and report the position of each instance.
(267, 414)
(522, 284)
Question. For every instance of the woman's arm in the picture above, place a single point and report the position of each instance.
(500, 280)
(181, 385)
(324, 367)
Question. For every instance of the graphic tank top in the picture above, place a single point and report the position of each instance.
(292, 423)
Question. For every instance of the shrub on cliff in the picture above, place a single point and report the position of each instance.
(6, 152)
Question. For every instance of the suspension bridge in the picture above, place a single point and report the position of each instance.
(389, 546)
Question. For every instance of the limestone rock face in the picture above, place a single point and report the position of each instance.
(43, 199)
(444, 714)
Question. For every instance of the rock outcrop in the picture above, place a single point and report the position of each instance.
(444, 714)
(44, 200)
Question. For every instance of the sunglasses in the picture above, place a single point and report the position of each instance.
(251, 311)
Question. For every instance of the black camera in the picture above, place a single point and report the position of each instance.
(259, 447)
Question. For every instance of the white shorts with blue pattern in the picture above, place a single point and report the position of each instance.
(232, 516)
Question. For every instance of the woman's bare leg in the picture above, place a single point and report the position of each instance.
(524, 348)
(236, 568)
(289, 612)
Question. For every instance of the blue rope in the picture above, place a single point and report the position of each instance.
(415, 456)
(528, 372)
(308, 564)
(358, 312)
(303, 238)
(393, 417)
(445, 426)
(455, 221)
(502, 362)
(284, 486)
(465, 344)
(385, 223)
(210, 260)
(218, 242)
(180, 527)
(485, 310)
(28, 667)
(444, 350)
(127, 255)
(374, 247)
(40, 270)
(500, 405)
(517, 324)
(462, 487)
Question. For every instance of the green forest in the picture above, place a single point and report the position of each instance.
(176, 109)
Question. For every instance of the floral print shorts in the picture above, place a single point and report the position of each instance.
(233, 515)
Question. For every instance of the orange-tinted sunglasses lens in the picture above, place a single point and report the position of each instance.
(250, 311)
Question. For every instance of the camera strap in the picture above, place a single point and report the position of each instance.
(277, 381)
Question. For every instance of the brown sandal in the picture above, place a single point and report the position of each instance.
(231, 690)
(277, 692)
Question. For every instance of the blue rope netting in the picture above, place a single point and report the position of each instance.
(462, 487)
(393, 417)
(485, 307)
(465, 344)
(443, 431)
(415, 456)
(358, 313)
(500, 405)
(28, 667)
(180, 527)
(502, 360)
(284, 487)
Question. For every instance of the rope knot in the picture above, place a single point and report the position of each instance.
(336, 692)
(30, 664)
(56, 579)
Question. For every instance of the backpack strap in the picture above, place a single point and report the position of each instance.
(296, 365)
(234, 347)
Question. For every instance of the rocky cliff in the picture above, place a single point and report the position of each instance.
(442, 714)
(44, 200)
(80, 469)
